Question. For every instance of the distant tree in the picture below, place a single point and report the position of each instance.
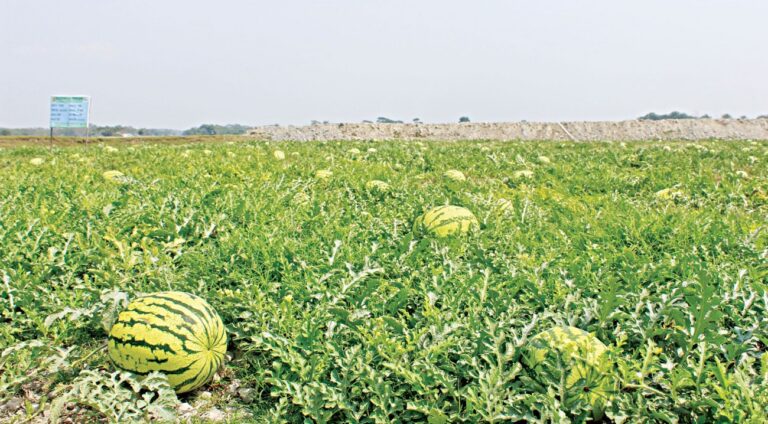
(705, 116)
(211, 129)
(416, 120)
(5, 131)
(385, 120)
(464, 119)
(106, 131)
(762, 117)
(726, 116)
(365, 121)
(158, 132)
(95, 130)
(743, 117)
(314, 122)
(672, 115)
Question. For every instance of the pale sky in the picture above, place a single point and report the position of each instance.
(181, 63)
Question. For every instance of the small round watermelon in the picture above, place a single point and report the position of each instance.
(455, 175)
(114, 176)
(447, 220)
(377, 186)
(176, 333)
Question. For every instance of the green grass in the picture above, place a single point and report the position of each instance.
(339, 312)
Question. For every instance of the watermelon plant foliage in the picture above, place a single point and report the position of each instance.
(338, 311)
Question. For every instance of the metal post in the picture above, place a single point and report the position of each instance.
(88, 121)
(50, 141)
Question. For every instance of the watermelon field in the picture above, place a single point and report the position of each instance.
(572, 282)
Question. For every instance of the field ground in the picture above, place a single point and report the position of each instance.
(338, 310)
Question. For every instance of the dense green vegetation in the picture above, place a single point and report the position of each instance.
(681, 115)
(212, 129)
(338, 311)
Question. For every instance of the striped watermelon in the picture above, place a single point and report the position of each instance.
(584, 362)
(446, 220)
(176, 333)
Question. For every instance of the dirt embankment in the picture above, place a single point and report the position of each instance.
(683, 129)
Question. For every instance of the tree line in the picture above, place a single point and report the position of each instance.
(680, 115)
(127, 130)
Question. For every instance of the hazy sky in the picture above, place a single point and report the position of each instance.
(180, 63)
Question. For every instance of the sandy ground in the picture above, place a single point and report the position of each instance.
(684, 129)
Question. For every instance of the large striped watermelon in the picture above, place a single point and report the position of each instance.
(580, 356)
(446, 220)
(176, 333)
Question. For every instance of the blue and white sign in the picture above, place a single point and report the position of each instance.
(70, 111)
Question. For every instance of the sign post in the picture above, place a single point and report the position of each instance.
(70, 112)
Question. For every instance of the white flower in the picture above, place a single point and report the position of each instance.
(37, 161)
(279, 154)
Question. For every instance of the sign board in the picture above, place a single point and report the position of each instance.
(70, 111)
